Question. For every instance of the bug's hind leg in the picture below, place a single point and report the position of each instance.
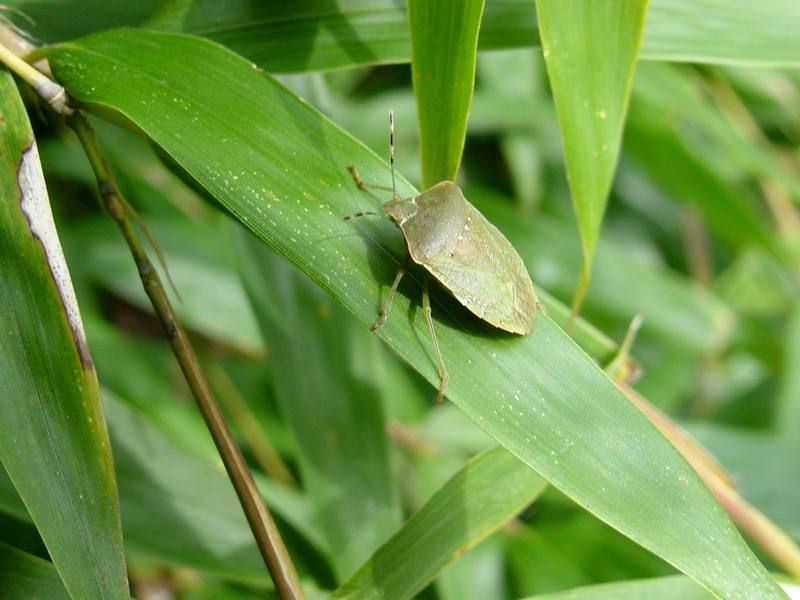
(383, 313)
(426, 308)
(362, 185)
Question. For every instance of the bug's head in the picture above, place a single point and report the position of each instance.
(399, 210)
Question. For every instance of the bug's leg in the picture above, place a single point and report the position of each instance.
(383, 313)
(362, 185)
(426, 307)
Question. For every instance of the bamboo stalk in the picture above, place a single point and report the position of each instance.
(262, 525)
(49, 90)
(258, 516)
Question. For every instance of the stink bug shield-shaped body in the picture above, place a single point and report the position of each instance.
(468, 255)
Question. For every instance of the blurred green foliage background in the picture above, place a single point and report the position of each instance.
(701, 237)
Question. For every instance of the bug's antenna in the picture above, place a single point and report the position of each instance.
(367, 213)
(391, 151)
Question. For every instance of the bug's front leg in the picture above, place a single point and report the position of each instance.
(383, 313)
(362, 185)
(426, 308)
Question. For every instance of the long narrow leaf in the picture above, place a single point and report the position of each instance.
(53, 438)
(163, 515)
(662, 588)
(316, 34)
(491, 489)
(279, 167)
(444, 40)
(23, 575)
(591, 49)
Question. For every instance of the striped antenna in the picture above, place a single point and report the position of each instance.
(391, 151)
(367, 213)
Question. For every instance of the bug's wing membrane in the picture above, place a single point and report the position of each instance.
(484, 272)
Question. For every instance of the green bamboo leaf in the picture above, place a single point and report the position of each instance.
(163, 515)
(591, 340)
(332, 402)
(279, 167)
(662, 588)
(316, 34)
(10, 502)
(746, 33)
(488, 491)
(24, 575)
(590, 49)
(480, 573)
(444, 41)
(53, 438)
(56, 20)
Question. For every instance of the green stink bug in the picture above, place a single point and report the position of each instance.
(468, 255)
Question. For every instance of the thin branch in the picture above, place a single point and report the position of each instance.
(49, 90)
(261, 523)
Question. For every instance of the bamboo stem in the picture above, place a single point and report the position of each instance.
(261, 523)
(264, 530)
(49, 90)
